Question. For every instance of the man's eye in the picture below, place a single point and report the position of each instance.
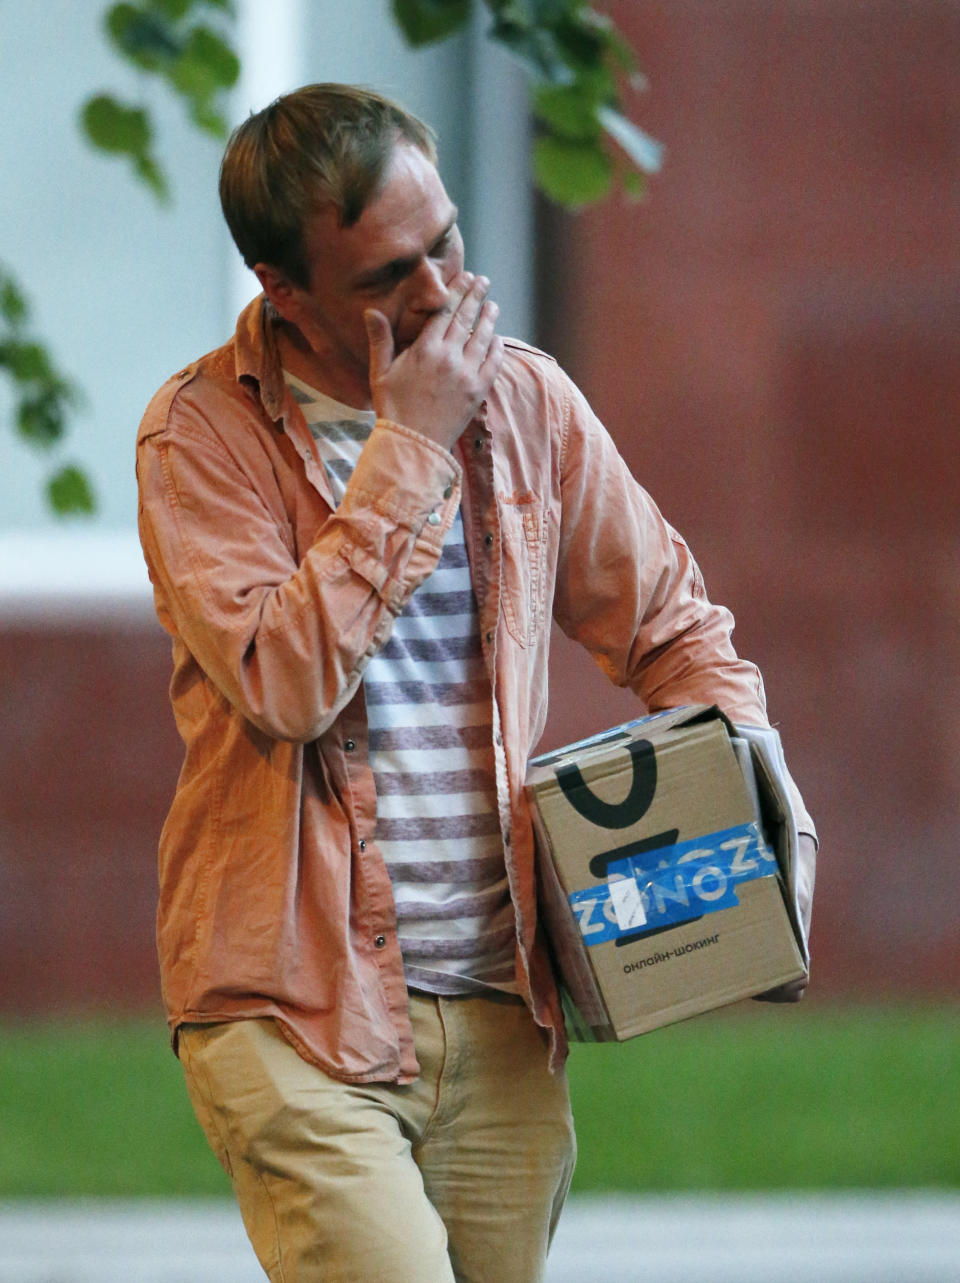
(386, 280)
(443, 245)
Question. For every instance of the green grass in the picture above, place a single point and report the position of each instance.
(774, 1097)
(817, 1097)
(96, 1107)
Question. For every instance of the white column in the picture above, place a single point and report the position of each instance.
(270, 36)
(500, 184)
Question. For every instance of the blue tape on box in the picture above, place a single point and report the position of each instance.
(648, 891)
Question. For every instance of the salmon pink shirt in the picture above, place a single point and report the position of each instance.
(274, 899)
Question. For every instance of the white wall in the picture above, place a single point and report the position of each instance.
(126, 292)
(123, 291)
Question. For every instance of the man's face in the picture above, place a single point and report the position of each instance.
(399, 257)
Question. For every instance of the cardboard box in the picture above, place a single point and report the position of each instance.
(666, 857)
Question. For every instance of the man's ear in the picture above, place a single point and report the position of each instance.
(279, 289)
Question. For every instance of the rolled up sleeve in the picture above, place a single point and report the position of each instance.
(630, 591)
(286, 642)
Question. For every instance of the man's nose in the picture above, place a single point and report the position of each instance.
(429, 287)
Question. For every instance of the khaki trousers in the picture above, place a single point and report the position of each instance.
(459, 1176)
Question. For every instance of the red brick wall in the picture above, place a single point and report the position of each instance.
(89, 762)
(773, 338)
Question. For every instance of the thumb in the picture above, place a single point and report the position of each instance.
(380, 338)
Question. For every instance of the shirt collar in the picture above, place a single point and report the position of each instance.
(257, 355)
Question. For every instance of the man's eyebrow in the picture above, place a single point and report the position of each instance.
(400, 265)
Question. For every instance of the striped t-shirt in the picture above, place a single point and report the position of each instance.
(430, 711)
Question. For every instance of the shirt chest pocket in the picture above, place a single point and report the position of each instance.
(523, 537)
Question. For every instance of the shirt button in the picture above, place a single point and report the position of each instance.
(489, 638)
(362, 844)
(379, 941)
(478, 443)
(434, 519)
(349, 745)
(488, 539)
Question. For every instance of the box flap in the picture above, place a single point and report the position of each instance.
(650, 727)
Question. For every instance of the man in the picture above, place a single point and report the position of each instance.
(359, 517)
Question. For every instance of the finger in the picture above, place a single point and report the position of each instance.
(490, 367)
(467, 311)
(380, 339)
(440, 320)
(479, 341)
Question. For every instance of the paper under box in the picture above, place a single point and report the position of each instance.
(666, 856)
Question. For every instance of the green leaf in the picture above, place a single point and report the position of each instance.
(150, 173)
(223, 63)
(514, 12)
(27, 362)
(597, 81)
(172, 9)
(122, 130)
(424, 21)
(69, 492)
(534, 45)
(583, 43)
(13, 306)
(571, 173)
(568, 110)
(619, 51)
(206, 65)
(40, 419)
(147, 39)
(114, 127)
(579, 57)
(210, 121)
